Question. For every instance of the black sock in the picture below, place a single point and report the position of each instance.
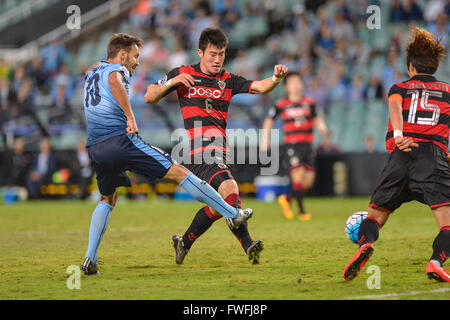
(299, 194)
(368, 231)
(241, 232)
(441, 246)
(199, 225)
(243, 235)
(300, 205)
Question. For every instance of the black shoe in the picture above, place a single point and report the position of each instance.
(180, 251)
(254, 251)
(89, 268)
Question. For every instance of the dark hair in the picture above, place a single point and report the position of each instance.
(214, 36)
(424, 52)
(121, 41)
(291, 74)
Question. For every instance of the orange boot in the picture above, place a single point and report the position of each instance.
(286, 206)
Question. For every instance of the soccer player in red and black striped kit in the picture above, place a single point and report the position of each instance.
(418, 167)
(204, 91)
(299, 117)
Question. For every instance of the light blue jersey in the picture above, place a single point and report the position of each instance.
(105, 118)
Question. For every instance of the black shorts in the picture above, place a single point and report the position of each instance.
(422, 174)
(110, 159)
(300, 155)
(214, 173)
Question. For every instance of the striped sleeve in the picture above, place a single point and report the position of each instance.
(273, 112)
(395, 89)
(240, 84)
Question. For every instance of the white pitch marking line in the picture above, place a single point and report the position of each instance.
(393, 295)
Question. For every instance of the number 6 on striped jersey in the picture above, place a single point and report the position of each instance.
(209, 107)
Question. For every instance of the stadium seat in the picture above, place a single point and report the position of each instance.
(68, 140)
(239, 34)
(258, 27)
(352, 138)
(377, 64)
(376, 122)
(124, 27)
(257, 56)
(380, 39)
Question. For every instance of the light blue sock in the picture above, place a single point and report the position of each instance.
(99, 222)
(203, 192)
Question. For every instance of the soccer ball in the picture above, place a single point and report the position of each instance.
(352, 225)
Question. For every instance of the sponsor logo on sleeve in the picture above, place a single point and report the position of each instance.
(125, 71)
(162, 80)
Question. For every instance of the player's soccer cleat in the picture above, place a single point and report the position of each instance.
(286, 206)
(254, 251)
(243, 215)
(89, 268)
(436, 272)
(355, 265)
(304, 216)
(180, 251)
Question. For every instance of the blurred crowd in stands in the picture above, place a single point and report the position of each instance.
(32, 170)
(320, 39)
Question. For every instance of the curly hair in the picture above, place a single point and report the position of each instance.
(424, 51)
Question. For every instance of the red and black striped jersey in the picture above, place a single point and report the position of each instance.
(426, 111)
(204, 107)
(298, 119)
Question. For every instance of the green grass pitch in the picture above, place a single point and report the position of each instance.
(301, 260)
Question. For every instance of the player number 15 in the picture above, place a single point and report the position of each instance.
(425, 105)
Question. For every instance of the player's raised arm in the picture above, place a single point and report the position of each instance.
(268, 84)
(156, 92)
(396, 117)
(120, 94)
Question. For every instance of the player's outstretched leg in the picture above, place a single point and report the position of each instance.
(441, 246)
(368, 234)
(99, 223)
(203, 192)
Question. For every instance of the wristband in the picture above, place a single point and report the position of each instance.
(276, 79)
(398, 133)
(168, 83)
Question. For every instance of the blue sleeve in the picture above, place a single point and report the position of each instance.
(114, 68)
(118, 68)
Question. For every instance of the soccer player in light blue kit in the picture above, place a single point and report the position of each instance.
(114, 144)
